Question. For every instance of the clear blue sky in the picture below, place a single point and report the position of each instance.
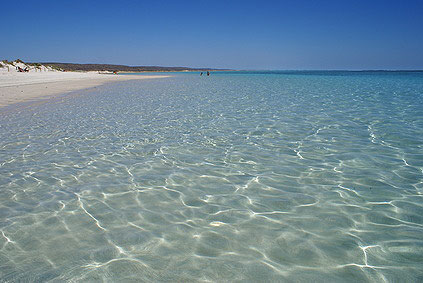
(296, 34)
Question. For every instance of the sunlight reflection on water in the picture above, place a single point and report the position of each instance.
(260, 177)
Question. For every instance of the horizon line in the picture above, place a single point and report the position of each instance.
(238, 69)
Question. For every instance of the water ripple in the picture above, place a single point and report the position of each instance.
(262, 178)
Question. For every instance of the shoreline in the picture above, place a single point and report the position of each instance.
(17, 88)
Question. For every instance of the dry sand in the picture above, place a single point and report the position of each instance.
(22, 87)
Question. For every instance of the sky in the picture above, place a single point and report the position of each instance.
(266, 34)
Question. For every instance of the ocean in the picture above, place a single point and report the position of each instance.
(240, 176)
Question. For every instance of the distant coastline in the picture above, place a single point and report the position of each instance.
(25, 82)
(75, 67)
(123, 68)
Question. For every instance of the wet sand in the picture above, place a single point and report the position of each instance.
(25, 87)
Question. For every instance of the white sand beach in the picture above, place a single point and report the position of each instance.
(18, 87)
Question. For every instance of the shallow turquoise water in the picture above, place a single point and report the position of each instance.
(233, 177)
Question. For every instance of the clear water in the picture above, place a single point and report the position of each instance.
(234, 177)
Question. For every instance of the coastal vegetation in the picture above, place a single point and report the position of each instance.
(121, 68)
(106, 67)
